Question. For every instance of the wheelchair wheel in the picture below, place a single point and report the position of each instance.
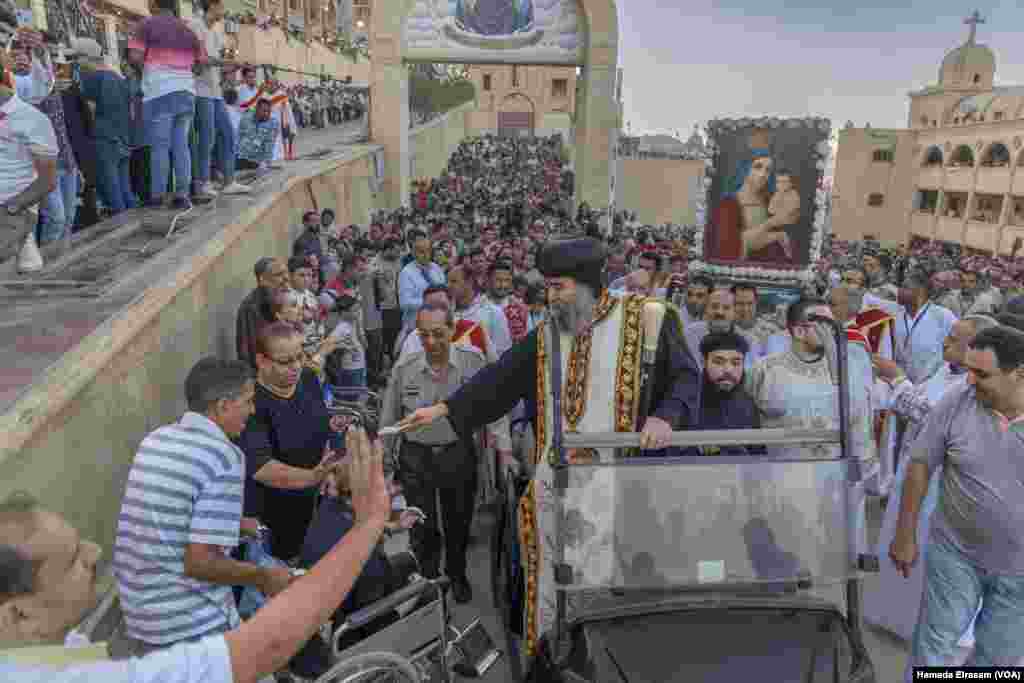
(373, 667)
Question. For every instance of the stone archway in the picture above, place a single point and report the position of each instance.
(516, 116)
(596, 122)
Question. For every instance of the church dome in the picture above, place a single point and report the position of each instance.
(970, 65)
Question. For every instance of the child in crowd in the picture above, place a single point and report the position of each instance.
(347, 367)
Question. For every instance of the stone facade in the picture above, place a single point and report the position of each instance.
(546, 93)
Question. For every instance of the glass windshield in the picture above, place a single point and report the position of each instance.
(649, 523)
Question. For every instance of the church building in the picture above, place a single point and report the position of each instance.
(523, 99)
(952, 174)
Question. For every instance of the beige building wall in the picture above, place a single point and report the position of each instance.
(658, 190)
(548, 92)
(871, 167)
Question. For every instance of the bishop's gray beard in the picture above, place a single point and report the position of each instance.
(572, 316)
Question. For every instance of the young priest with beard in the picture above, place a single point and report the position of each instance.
(725, 404)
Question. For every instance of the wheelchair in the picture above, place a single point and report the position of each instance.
(352, 400)
(417, 643)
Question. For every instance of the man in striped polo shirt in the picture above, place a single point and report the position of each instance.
(181, 517)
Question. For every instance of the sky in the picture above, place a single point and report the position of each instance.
(688, 61)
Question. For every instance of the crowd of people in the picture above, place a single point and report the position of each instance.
(449, 307)
(173, 125)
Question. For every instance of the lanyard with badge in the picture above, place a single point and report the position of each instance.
(910, 327)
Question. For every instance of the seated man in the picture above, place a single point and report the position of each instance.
(725, 403)
(334, 519)
(257, 135)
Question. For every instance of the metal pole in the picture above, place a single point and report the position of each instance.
(708, 437)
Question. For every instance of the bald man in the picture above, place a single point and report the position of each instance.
(720, 316)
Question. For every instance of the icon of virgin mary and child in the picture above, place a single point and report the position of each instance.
(759, 204)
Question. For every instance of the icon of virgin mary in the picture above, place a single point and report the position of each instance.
(494, 17)
(759, 202)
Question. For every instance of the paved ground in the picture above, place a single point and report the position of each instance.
(887, 652)
(84, 281)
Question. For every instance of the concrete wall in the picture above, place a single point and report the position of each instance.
(257, 46)
(432, 144)
(659, 190)
(70, 439)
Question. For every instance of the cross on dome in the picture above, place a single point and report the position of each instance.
(973, 22)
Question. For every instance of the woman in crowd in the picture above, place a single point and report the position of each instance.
(285, 440)
(287, 306)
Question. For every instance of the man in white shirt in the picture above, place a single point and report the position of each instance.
(28, 173)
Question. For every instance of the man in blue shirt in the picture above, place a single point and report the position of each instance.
(416, 277)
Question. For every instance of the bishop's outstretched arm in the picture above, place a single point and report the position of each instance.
(496, 389)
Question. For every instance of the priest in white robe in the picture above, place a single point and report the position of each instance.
(796, 389)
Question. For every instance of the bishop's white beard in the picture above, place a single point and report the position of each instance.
(570, 317)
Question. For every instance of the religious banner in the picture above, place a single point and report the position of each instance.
(494, 31)
(763, 209)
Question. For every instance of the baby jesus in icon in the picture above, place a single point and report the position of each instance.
(784, 209)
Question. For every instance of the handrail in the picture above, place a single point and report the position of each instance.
(708, 437)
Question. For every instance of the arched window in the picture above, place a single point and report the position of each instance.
(933, 157)
(962, 156)
(876, 199)
(997, 155)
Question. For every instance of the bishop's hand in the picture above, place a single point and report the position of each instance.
(656, 434)
(422, 417)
